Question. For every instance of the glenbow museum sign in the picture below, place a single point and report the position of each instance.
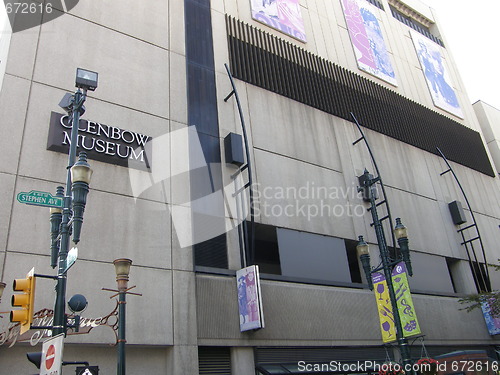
(108, 144)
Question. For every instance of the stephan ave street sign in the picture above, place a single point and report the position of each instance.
(40, 198)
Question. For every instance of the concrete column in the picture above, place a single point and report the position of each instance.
(242, 361)
(183, 356)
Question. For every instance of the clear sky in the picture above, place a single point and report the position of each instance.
(472, 32)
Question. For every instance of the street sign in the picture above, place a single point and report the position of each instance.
(52, 353)
(87, 370)
(71, 258)
(40, 198)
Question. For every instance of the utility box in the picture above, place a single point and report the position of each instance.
(457, 212)
(233, 145)
(367, 191)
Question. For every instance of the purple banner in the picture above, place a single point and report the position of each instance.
(283, 15)
(439, 83)
(367, 40)
(249, 298)
(492, 322)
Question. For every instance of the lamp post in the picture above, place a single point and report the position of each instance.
(122, 269)
(367, 182)
(68, 220)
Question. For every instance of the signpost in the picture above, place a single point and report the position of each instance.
(40, 198)
(52, 353)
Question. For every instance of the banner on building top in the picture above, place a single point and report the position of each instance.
(407, 314)
(249, 298)
(436, 75)
(283, 15)
(367, 40)
(385, 314)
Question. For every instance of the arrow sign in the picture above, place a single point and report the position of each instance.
(71, 259)
(40, 198)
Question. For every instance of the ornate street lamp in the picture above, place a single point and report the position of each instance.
(70, 218)
(122, 270)
(364, 256)
(367, 182)
(80, 177)
(401, 234)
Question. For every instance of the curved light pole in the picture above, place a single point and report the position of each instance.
(388, 262)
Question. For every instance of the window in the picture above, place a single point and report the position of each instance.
(266, 249)
(313, 256)
(415, 25)
(305, 256)
(430, 274)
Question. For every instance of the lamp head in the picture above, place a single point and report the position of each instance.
(81, 171)
(122, 270)
(86, 79)
(400, 231)
(362, 248)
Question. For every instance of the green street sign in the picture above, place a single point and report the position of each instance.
(40, 198)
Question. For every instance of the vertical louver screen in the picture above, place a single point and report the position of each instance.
(269, 62)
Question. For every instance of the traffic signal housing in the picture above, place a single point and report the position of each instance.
(25, 300)
(35, 358)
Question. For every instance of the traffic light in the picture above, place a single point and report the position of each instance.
(25, 300)
(35, 358)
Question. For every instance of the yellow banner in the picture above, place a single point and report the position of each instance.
(385, 314)
(407, 314)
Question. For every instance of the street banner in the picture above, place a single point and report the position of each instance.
(404, 301)
(492, 320)
(436, 74)
(367, 39)
(282, 15)
(249, 298)
(385, 314)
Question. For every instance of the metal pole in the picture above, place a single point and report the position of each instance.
(121, 332)
(59, 325)
(251, 255)
(386, 265)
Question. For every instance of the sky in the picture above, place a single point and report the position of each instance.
(471, 30)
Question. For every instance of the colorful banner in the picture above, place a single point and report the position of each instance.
(404, 301)
(386, 317)
(249, 298)
(492, 323)
(367, 40)
(436, 75)
(283, 15)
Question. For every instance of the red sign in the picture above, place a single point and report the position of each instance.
(50, 356)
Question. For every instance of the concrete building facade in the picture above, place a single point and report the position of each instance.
(169, 206)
